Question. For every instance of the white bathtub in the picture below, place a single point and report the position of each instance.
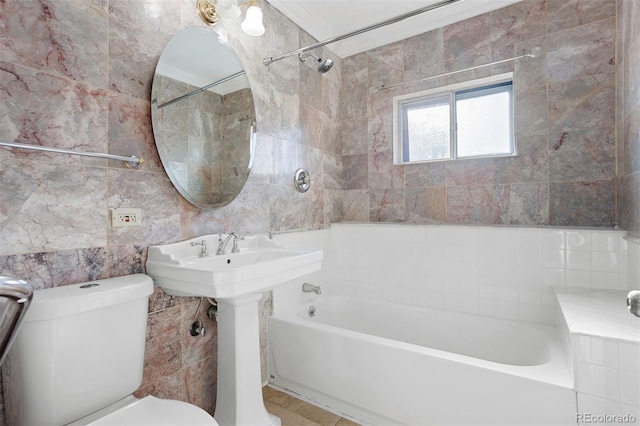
(381, 363)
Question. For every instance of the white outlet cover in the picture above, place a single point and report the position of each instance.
(126, 217)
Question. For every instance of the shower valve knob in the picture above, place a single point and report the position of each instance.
(633, 302)
(302, 180)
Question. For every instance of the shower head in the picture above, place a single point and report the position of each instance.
(323, 65)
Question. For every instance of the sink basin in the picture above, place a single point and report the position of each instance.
(261, 264)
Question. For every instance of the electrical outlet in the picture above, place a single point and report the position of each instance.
(126, 217)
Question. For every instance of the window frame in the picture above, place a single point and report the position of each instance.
(399, 118)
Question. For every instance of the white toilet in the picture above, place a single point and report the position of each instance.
(80, 354)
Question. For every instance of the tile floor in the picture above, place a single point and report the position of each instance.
(294, 412)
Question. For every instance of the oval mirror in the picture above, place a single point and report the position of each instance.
(203, 117)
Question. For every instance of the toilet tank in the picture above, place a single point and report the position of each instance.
(80, 349)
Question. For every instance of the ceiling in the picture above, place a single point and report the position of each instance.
(324, 19)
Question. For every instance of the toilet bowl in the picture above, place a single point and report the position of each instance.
(80, 355)
(150, 411)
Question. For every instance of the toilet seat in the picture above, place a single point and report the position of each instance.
(149, 411)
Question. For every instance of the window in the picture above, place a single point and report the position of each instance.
(474, 119)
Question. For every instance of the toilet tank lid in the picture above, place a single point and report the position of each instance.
(76, 298)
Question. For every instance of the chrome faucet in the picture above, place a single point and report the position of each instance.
(203, 248)
(310, 288)
(222, 244)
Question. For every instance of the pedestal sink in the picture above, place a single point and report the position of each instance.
(236, 281)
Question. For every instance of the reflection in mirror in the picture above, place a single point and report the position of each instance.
(203, 117)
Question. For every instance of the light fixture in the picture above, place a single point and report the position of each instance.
(211, 11)
(252, 23)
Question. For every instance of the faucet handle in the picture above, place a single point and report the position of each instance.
(203, 248)
(235, 248)
(203, 251)
(199, 243)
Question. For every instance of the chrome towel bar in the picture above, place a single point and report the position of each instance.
(131, 161)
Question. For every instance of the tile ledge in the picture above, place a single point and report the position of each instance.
(598, 312)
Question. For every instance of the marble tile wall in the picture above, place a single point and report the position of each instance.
(565, 172)
(77, 74)
(628, 110)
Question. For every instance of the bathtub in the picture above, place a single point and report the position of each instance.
(381, 363)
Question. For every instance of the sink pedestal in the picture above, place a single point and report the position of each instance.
(239, 400)
(236, 281)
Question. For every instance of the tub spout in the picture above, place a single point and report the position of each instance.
(310, 288)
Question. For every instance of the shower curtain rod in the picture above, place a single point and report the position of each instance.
(531, 54)
(272, 59)
(202, 89)
(131, 161)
